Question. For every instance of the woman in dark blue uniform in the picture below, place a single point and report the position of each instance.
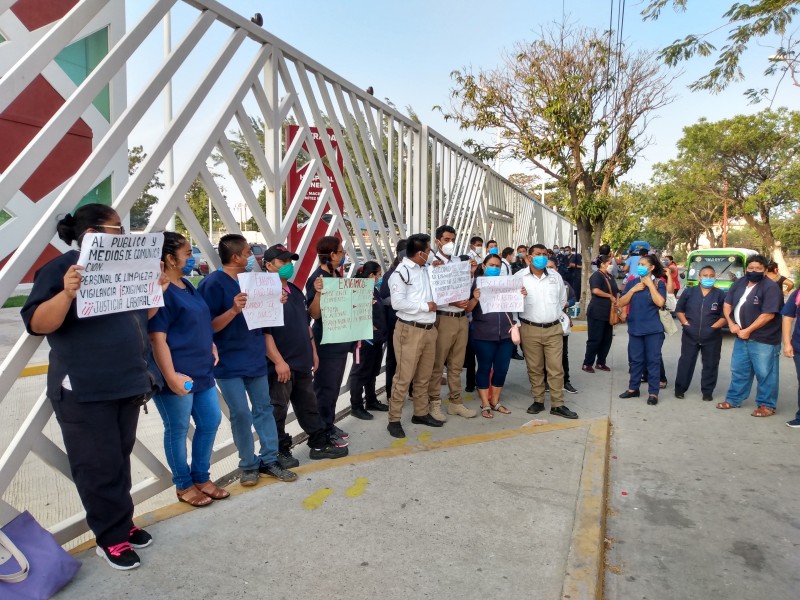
(368, 354)
(646, 294)
(184, 350)
(97, 380)
(332, 357)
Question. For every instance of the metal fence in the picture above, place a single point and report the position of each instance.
(236, 86)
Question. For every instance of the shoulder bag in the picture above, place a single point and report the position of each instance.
(617, 315)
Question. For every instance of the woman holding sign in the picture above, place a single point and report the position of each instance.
(491, 340)
(332, 357)
(184, 350)
(97, 380)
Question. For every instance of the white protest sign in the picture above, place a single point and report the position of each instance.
(346, 306)
(501, 294)
(120, 273)
(263, 308)
(451, 282)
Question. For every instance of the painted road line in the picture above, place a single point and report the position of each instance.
(583, 579)
(315, 500)
(358, 488)
(33, 370)
(424, 436)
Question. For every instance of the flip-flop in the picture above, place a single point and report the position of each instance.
(486, 412)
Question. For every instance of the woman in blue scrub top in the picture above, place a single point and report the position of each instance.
(646, 294)
(184, 351)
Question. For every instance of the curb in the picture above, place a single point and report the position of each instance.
(583, 579)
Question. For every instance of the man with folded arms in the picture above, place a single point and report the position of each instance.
(414, 334)
(541, 332)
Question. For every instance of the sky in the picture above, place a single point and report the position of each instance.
(407, 50)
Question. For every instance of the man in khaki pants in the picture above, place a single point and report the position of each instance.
(414, 335)
(541, 332)
(452, 328)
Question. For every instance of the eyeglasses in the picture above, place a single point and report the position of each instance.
(119, 227)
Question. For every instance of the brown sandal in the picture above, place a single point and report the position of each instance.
(212, 490)
(193, 497)
(763, 411)
(725, 406)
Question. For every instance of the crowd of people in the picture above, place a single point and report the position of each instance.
(199, 342)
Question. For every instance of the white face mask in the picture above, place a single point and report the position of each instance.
(449, 248)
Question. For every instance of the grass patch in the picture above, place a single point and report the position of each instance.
(15, 302)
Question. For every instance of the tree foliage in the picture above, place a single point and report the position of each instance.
(745, 22)
(143, 207)
(573, 107)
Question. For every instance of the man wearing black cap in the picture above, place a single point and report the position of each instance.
(292, 360)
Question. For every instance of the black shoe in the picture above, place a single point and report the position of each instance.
(286, 460)
(377, 406)
(629, 394)
(139, 538)
(563, 411)
(708, 397)
(569, 389)
(517, 356)
(679, 395)
(395, 429)
(340, 433)
(469, 390)
(652, 400)
(121, 557)
(427, 420)
(328, 450)
(360, 413)
(536, 408)
(274, 469)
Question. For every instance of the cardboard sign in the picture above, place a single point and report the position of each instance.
(346, 306)
(501, 294)
(451, 282)
(263, 308)
(120, 274)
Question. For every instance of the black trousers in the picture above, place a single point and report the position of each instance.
(99, 439)
(564, 359)
(598, 343)
(327, 385)
(710, 351)
(363, 374)
(299, 390)
(469, 363)
(391, 359)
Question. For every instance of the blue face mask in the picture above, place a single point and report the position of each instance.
(188, 267)
(251, 263)
(708, 282)
(341, 260)
(493, 250)
(379, 282)
(492, 271)
(641, 271)
(539, 262)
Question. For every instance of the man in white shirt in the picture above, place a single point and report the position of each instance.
(505, 266)
(414, 335)
(452, 328)
(541, 332)
(476, 248)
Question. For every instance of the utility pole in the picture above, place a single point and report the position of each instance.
(725, 217)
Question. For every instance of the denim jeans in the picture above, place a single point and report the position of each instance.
(235, 392)
(175, 411)
(754, 358)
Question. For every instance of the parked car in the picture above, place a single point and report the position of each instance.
(200, 262)
(258, 251)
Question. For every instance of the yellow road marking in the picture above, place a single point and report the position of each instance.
(315, 500)
(399, 443)
(358, 488)
(424, 436)
(33, 370)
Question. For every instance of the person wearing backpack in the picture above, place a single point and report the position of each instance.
(699, 311)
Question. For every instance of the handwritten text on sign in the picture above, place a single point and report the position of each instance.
(346, 306)
(451, 282)
(120, 273)
(263, 308)
(501, 294)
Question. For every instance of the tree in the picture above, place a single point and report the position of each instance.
(572, 106)
(197, 198)
(143, 207)
(757, 155)
(746, 22)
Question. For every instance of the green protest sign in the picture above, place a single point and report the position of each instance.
(346, 306)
